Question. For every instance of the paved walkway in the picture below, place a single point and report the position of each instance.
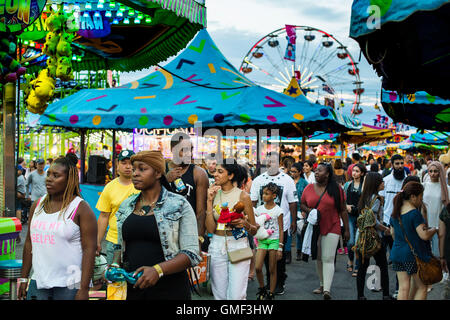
(302, 280)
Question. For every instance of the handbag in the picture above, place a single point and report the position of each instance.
(429, 272)
(238, 255)
(116, 291)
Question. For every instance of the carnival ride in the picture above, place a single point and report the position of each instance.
(323, 67)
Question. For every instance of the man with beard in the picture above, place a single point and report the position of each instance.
(188, 179)
(392, 185)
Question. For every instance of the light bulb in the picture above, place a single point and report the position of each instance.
(119, 14)
(88, 5)
(108, 14)
(126, 21)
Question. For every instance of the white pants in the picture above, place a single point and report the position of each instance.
(325, 259)
(228, 280)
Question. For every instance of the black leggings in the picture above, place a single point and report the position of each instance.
(381, 262)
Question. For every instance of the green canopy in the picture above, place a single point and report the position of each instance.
(131, 35)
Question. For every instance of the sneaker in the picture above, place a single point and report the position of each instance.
(395, 295)
(279, 289)
(270, 296)
(340, 251)
(262, 293)
(288, 257)
(346, 250)
(326, 295)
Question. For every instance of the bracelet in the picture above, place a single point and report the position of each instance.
(281, 244)
(159, 270)
(114, 265)
(22, 280)
(280, 249)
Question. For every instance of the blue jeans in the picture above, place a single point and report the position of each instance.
(351, 242)
(109, 251)
(435, 245)
(57, 293)
(288, 243)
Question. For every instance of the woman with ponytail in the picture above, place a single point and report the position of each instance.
(61, 239)
(407, 222)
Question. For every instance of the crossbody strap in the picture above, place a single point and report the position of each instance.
(320, 198)
(406, 238)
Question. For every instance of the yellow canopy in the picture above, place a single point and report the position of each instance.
(365, 135)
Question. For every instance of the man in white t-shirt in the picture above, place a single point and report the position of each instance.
(392, 185)
(287, 199)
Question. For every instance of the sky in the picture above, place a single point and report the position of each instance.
(236, 25)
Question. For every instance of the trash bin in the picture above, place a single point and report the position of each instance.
(9, 231)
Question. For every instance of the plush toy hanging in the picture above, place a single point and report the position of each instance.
(58, 48)
(226, 216)
(10, 69)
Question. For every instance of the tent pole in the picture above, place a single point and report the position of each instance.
(8, 162)
(82, 155)
(114, 153)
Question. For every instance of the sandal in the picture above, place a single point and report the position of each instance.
(349, 267)
(318, 290)
(355, 273)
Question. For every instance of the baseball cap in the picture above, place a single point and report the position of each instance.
(125, 154)
(39, 161)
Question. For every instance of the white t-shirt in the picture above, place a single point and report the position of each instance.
(311, 178)
(392, 186)
(287, 193)
(432, 198)
(271, 224)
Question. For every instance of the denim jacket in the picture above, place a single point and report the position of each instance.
(176, 221)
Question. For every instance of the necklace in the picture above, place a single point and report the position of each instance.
(146, 209)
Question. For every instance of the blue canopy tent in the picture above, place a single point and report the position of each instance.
(432, 138)
(406, 41)
(199, 85)
(419, 109)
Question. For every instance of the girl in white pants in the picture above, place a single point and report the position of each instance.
(325, 259)
(228, 280)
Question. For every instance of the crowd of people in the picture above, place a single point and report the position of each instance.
(158, 216)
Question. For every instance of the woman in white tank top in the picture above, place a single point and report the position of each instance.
(61, 239)
(228, 280)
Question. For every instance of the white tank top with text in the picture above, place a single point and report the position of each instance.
(56, 247)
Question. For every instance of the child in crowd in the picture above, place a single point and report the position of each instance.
(273, 244)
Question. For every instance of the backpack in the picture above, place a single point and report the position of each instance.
(368, 242)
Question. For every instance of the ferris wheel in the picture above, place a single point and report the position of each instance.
(323, 67)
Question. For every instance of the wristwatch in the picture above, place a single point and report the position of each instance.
(201, 239)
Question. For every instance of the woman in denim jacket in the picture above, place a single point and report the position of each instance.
(157, 234)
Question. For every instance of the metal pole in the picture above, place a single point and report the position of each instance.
(9, 127)
(82, 155)
(114, 153)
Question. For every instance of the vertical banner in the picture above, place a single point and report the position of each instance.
(291, 39)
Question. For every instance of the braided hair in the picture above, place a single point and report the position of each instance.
(73, 186)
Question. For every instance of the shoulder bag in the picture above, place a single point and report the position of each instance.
(238, 255)
(429, 272)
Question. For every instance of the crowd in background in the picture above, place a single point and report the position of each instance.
(169, 212)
